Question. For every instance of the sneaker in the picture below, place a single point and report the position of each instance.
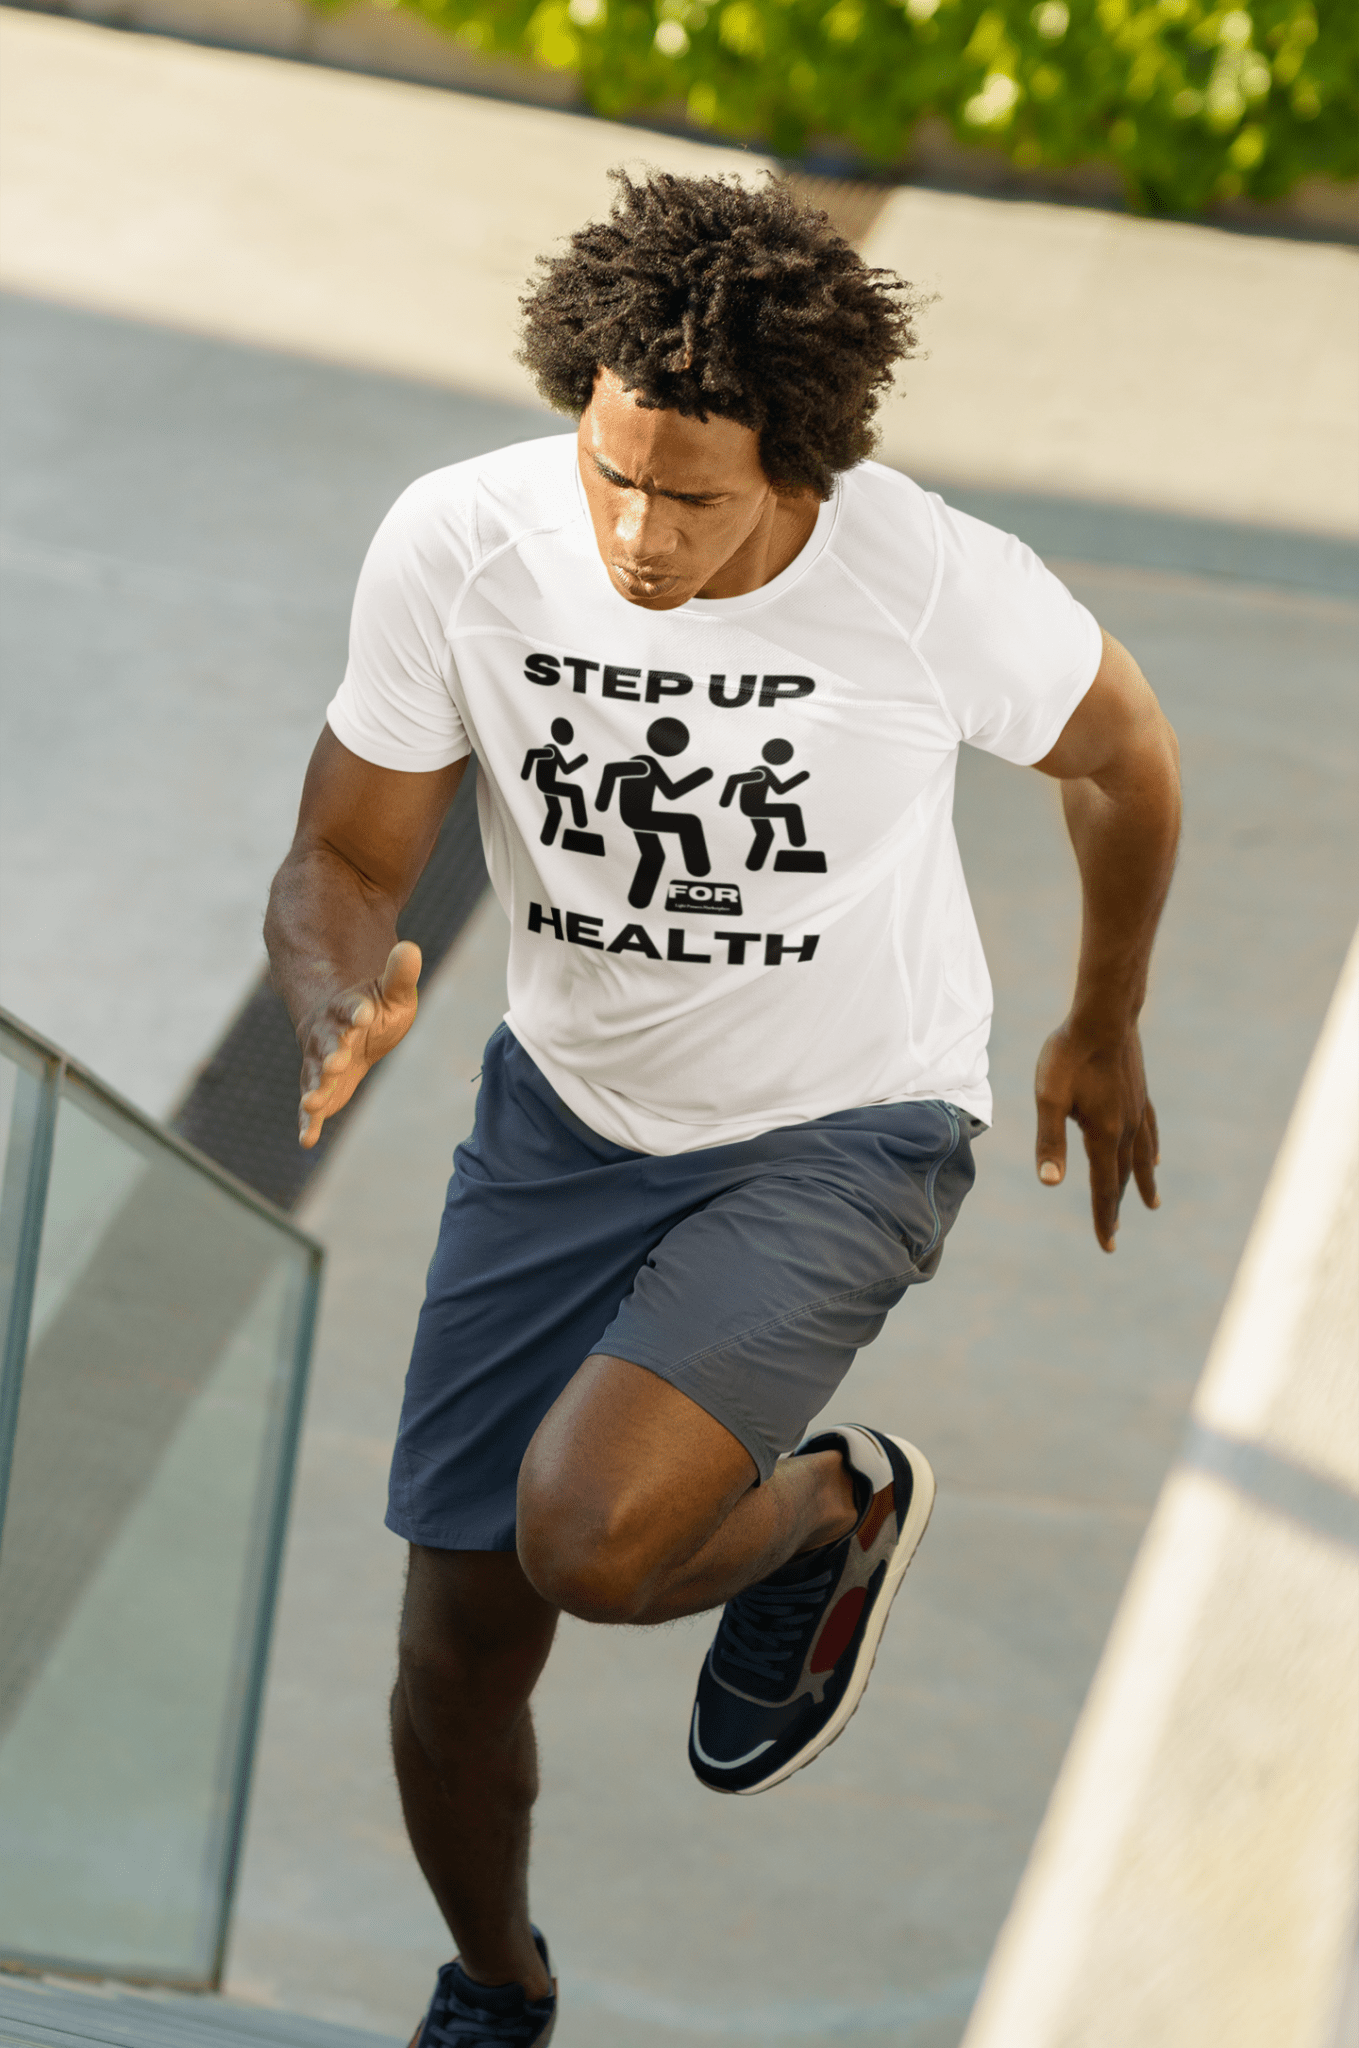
(792, 1654)
(464, 2014)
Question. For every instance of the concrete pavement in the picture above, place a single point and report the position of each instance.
(183, 521)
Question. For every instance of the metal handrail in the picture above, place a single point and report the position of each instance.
(162, 1133)
(59, 1075)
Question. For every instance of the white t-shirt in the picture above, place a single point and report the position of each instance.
(722, 834)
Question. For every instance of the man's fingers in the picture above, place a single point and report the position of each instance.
(1050, 1151)
(330, 1094)
(401, 974)
(325, 1083)
(1105, 1186)
(322, 1093)
(1125, 1162)
(339, 1053)
(1145, 1158)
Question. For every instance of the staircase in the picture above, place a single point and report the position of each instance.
(38, 2012)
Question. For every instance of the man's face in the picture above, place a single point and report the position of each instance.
(675, 502)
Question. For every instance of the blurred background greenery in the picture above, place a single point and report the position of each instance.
(1192, 103)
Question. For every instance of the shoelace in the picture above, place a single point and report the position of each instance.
(764, 1628)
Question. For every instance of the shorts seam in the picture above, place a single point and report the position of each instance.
(932, 1177)
(733, 1411)
(849, 1293)
(792, 1315)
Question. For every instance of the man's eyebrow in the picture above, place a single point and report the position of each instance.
(614, 476)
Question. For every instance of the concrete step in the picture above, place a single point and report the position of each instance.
(42, 2012)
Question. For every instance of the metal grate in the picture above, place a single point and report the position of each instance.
(242, 1108)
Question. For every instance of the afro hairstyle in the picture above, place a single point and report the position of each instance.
(706, 297)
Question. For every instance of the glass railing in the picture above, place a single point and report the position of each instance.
(157, 1321)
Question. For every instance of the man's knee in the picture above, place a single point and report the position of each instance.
(474, 1637)
(625, 1479)
(578, 1552)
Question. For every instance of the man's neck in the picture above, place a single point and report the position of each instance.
(773, 544)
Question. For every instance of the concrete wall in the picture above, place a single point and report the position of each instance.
(1197, 1877)
(362, 37)
(378, 36)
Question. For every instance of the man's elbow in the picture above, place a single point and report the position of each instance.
(1163, 751)
(1173, 743)
(276, 909)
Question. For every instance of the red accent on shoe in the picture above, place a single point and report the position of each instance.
(841, 1623)
(875, 1514)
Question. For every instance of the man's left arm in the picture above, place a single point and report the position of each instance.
(1119, 766)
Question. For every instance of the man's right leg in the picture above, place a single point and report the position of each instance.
(474, 1638)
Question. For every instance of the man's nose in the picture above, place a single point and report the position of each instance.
(646, 527)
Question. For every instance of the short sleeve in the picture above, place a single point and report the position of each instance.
(396, 704)
(1011, 651)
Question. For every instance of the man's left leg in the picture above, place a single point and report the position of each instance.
(636, 1505)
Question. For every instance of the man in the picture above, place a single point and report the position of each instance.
(727, 1122)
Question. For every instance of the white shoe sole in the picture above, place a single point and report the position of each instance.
(917, 1521)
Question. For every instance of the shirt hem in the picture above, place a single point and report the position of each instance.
(382, 754)
(640, 1137)
(1073, 696)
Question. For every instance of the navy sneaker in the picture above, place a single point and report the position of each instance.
(465, 2014)
(792, 1654)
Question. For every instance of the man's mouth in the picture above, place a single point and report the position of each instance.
(638, 576)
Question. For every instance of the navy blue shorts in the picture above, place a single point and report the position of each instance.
(747, 1275)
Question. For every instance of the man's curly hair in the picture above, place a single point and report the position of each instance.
(706, 297)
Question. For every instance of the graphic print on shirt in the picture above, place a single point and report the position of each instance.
(640, 781)
(754, 784)
(549, 767)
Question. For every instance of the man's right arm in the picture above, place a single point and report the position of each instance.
(363, 836)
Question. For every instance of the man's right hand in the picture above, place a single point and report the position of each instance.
(351, 1034)
(363, 836)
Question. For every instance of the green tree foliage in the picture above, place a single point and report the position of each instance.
(1193, 102)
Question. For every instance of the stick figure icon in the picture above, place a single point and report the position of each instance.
(549, 766)
(640, 781)
(754, 785)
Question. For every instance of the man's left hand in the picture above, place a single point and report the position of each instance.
(1103, 1090)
